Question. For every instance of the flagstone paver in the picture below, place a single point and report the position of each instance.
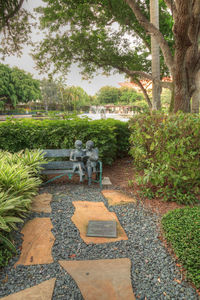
(41, 203)
(106, 279)
(117, 198)
(42, 291)
(88, 211)
(37, 242)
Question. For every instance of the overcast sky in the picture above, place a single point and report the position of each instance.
(74, 77)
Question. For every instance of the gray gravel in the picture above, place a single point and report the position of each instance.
(153, 269)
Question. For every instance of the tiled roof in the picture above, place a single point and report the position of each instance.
(145, 82)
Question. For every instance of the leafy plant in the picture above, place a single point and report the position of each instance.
(18, 184)
(7, 249)
(181, 229)
(167, 149)
(5, 255)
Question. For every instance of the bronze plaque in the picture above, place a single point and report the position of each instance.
(102, 229)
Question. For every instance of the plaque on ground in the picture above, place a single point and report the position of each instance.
(102, 229)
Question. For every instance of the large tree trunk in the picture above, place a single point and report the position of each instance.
(196, 95)
(186, 61)
(155, 52)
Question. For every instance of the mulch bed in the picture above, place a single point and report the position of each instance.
(120, 174)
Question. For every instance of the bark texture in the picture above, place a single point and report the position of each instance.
(196, 96)
(155, 53)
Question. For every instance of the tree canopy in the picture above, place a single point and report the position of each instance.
(114, 36)
(17, 86)
(113, 95)
(99, 36)
(15, 26)
(58, 94)
(108, 95)
(129, 95)
(50, 92)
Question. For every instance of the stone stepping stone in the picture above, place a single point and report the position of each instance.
(41, 203)
(42, 291)
(106, 279)
(117, 198)
(86, 211)
(37, 242)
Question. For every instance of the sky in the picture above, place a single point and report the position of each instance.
(26, 63)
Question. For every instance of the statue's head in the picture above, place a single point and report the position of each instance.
(78, 144)
(89, 145)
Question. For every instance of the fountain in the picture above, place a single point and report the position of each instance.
(101, 112)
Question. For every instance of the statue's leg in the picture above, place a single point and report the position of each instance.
(74, 167)
(81, 173)
(89, 169)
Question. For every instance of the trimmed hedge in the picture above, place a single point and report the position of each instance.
(167, 148)
(110, 136)
(181, 229)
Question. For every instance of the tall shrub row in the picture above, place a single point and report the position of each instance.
(167, 149)
(110, 136)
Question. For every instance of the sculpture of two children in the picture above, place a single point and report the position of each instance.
(84, 160)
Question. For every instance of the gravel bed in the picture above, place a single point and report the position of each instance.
(153, 273)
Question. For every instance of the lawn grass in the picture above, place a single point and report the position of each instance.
(182, 230)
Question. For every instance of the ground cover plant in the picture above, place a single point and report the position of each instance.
(166, 149)
(181, 229)
(19, 183)
(110, 136)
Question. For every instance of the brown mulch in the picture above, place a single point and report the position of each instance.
(121, 173)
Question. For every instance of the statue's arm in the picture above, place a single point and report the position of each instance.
(72, 155)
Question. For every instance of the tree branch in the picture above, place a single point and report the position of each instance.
(151, 29)
(171, 5)
(144, 92)
(12, 14)
(132, 73)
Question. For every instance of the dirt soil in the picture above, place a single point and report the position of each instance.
(121, 173)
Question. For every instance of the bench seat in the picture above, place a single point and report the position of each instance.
(65, 167)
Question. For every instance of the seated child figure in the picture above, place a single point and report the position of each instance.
(92, 157)
(76, 156)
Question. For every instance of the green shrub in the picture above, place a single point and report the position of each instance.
(5, 256)
(110, 136)
(7, 249)
(181, 229)
(167, 149)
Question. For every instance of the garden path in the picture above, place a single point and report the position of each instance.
(57, 260)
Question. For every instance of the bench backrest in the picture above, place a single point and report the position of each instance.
(58, 165)
(57, 152)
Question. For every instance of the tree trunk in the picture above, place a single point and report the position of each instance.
(46, 105)
(171, 107)
(196, 95)
(155, 52)
(186, 59)
(182, 97)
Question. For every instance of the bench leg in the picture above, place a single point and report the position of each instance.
(89, 180)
